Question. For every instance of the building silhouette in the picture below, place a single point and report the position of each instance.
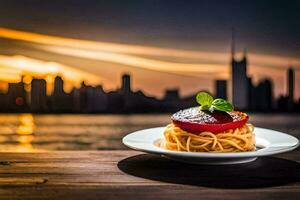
(239, 79)
(247, 96)
(38, 100)
(286, 102)
(58, 86)
(172, 95)
(61, 101)
(96, 99)
(221, 89)
(93, 99)
(3, 102)
(291, 83)
(262, 96)
(16, 96)
(129, 100)
(83, 97)
(126, 84)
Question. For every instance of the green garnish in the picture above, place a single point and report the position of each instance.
(207, 102)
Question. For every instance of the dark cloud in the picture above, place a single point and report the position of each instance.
(271, 27)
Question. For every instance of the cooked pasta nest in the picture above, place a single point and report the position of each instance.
(233, 140)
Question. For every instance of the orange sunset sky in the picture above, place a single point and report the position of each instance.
(162, 44)
(153, 68)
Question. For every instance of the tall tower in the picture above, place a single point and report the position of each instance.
(58, 86)
(126, 83)
(232, 45)
(239, 79)
(38, 95)
(221, 89)
(291, 82)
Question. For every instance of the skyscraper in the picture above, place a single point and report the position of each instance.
(17, 96)
(58, 86)
(263, 96)
(221, 89)
(96, 99)
(239, 79)
(126, 87)
(172, 95)
(291, 82)
(61, 101)
(38, 95)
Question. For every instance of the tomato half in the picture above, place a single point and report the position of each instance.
(194, 120)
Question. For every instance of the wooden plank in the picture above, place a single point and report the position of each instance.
(139, 192)
(103, 156)
(132, 175)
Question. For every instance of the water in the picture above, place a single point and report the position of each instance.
(29, 133)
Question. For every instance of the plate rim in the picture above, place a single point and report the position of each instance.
(160, 151)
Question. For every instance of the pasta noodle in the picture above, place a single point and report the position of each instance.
(237, 140)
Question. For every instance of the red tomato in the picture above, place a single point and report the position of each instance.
(194, 120)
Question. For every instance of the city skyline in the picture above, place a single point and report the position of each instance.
(93, 99)
(152, 81)
(169, 41)
(33, 94)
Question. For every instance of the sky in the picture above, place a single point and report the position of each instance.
(163, 44)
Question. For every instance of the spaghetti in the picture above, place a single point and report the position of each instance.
(233, 140)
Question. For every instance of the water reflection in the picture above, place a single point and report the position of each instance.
(31, 133)
(25, 133)
(26, 124)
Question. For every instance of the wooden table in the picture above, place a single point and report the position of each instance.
(133, 175)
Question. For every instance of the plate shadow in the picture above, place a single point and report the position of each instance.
(264, 172)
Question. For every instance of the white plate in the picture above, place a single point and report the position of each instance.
(268, 142)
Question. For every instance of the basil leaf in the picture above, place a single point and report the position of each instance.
(204, 99)
(222, 105)
(204, 107)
